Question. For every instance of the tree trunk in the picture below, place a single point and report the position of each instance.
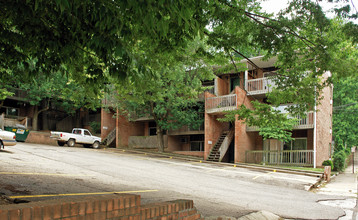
(35, 119)
(160, 139)
(45, 121)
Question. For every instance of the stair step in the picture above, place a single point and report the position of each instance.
(215, 151)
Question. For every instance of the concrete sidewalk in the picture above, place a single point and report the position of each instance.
(345, 185)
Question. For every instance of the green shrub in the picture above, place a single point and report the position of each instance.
(328, 163)
(95, 126)
(339, 160)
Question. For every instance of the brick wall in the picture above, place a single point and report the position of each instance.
(310, 139)
(174, 144)
(115, 206)
(125, 129)
(108, 122)
(324, 126)
(244, 141)
(222, 86)
(38, 137)
(213, 130)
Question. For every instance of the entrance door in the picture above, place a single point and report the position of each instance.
(234, 81)
(294, 146)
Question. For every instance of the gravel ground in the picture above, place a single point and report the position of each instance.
(5, 201)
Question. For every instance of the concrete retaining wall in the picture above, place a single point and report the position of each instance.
(145, 142)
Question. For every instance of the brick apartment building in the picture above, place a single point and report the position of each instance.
(16, 111)
(234, 142)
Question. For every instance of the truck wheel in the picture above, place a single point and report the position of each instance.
(60, 143)
(71, 142)
(2, 145)
(96, 145)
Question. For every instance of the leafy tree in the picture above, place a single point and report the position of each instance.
(272, 124)
(57, 90)
(346, 10)
(170, 93)
(326, 47)
(92, 38)
(345, 117)
(96, 40)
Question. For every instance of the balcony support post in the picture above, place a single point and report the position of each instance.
(314, 136)
(246, 78)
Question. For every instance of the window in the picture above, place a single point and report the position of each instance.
(76, 132)
(197, 146)
(197, 143)
(274, 145)
(152, 128)
(87, 133)
(12, 112)
(297, 144)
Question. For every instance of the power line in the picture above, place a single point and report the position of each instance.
(342, 106)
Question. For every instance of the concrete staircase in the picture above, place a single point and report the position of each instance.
(215, 151)
(219, 150)
(110, 138)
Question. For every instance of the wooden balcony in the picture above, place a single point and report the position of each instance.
(19, 94)
(221, 103)
(284, 157)
(259, 87)
(303, 123)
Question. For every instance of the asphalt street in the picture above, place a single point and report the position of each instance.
(38, 172)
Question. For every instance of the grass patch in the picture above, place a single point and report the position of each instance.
(321, 170)
(302, 168)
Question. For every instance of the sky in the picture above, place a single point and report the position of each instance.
(274, 6)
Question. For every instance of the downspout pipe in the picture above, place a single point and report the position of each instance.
(315, 133)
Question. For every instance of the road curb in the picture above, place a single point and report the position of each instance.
(242, 165)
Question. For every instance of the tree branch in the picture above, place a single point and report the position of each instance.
(232, 61)
(289, 31)
(248, 59)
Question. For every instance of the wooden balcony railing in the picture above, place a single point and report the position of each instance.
(221, 103)
(303, 123)
(259, 86)
(286, 157)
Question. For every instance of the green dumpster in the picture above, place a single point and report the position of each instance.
(21, 132)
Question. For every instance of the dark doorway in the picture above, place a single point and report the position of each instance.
(234, 81)
(230, 154)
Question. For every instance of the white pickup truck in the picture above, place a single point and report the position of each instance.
(78, 136)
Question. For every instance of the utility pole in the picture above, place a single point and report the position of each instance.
(353, 149)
